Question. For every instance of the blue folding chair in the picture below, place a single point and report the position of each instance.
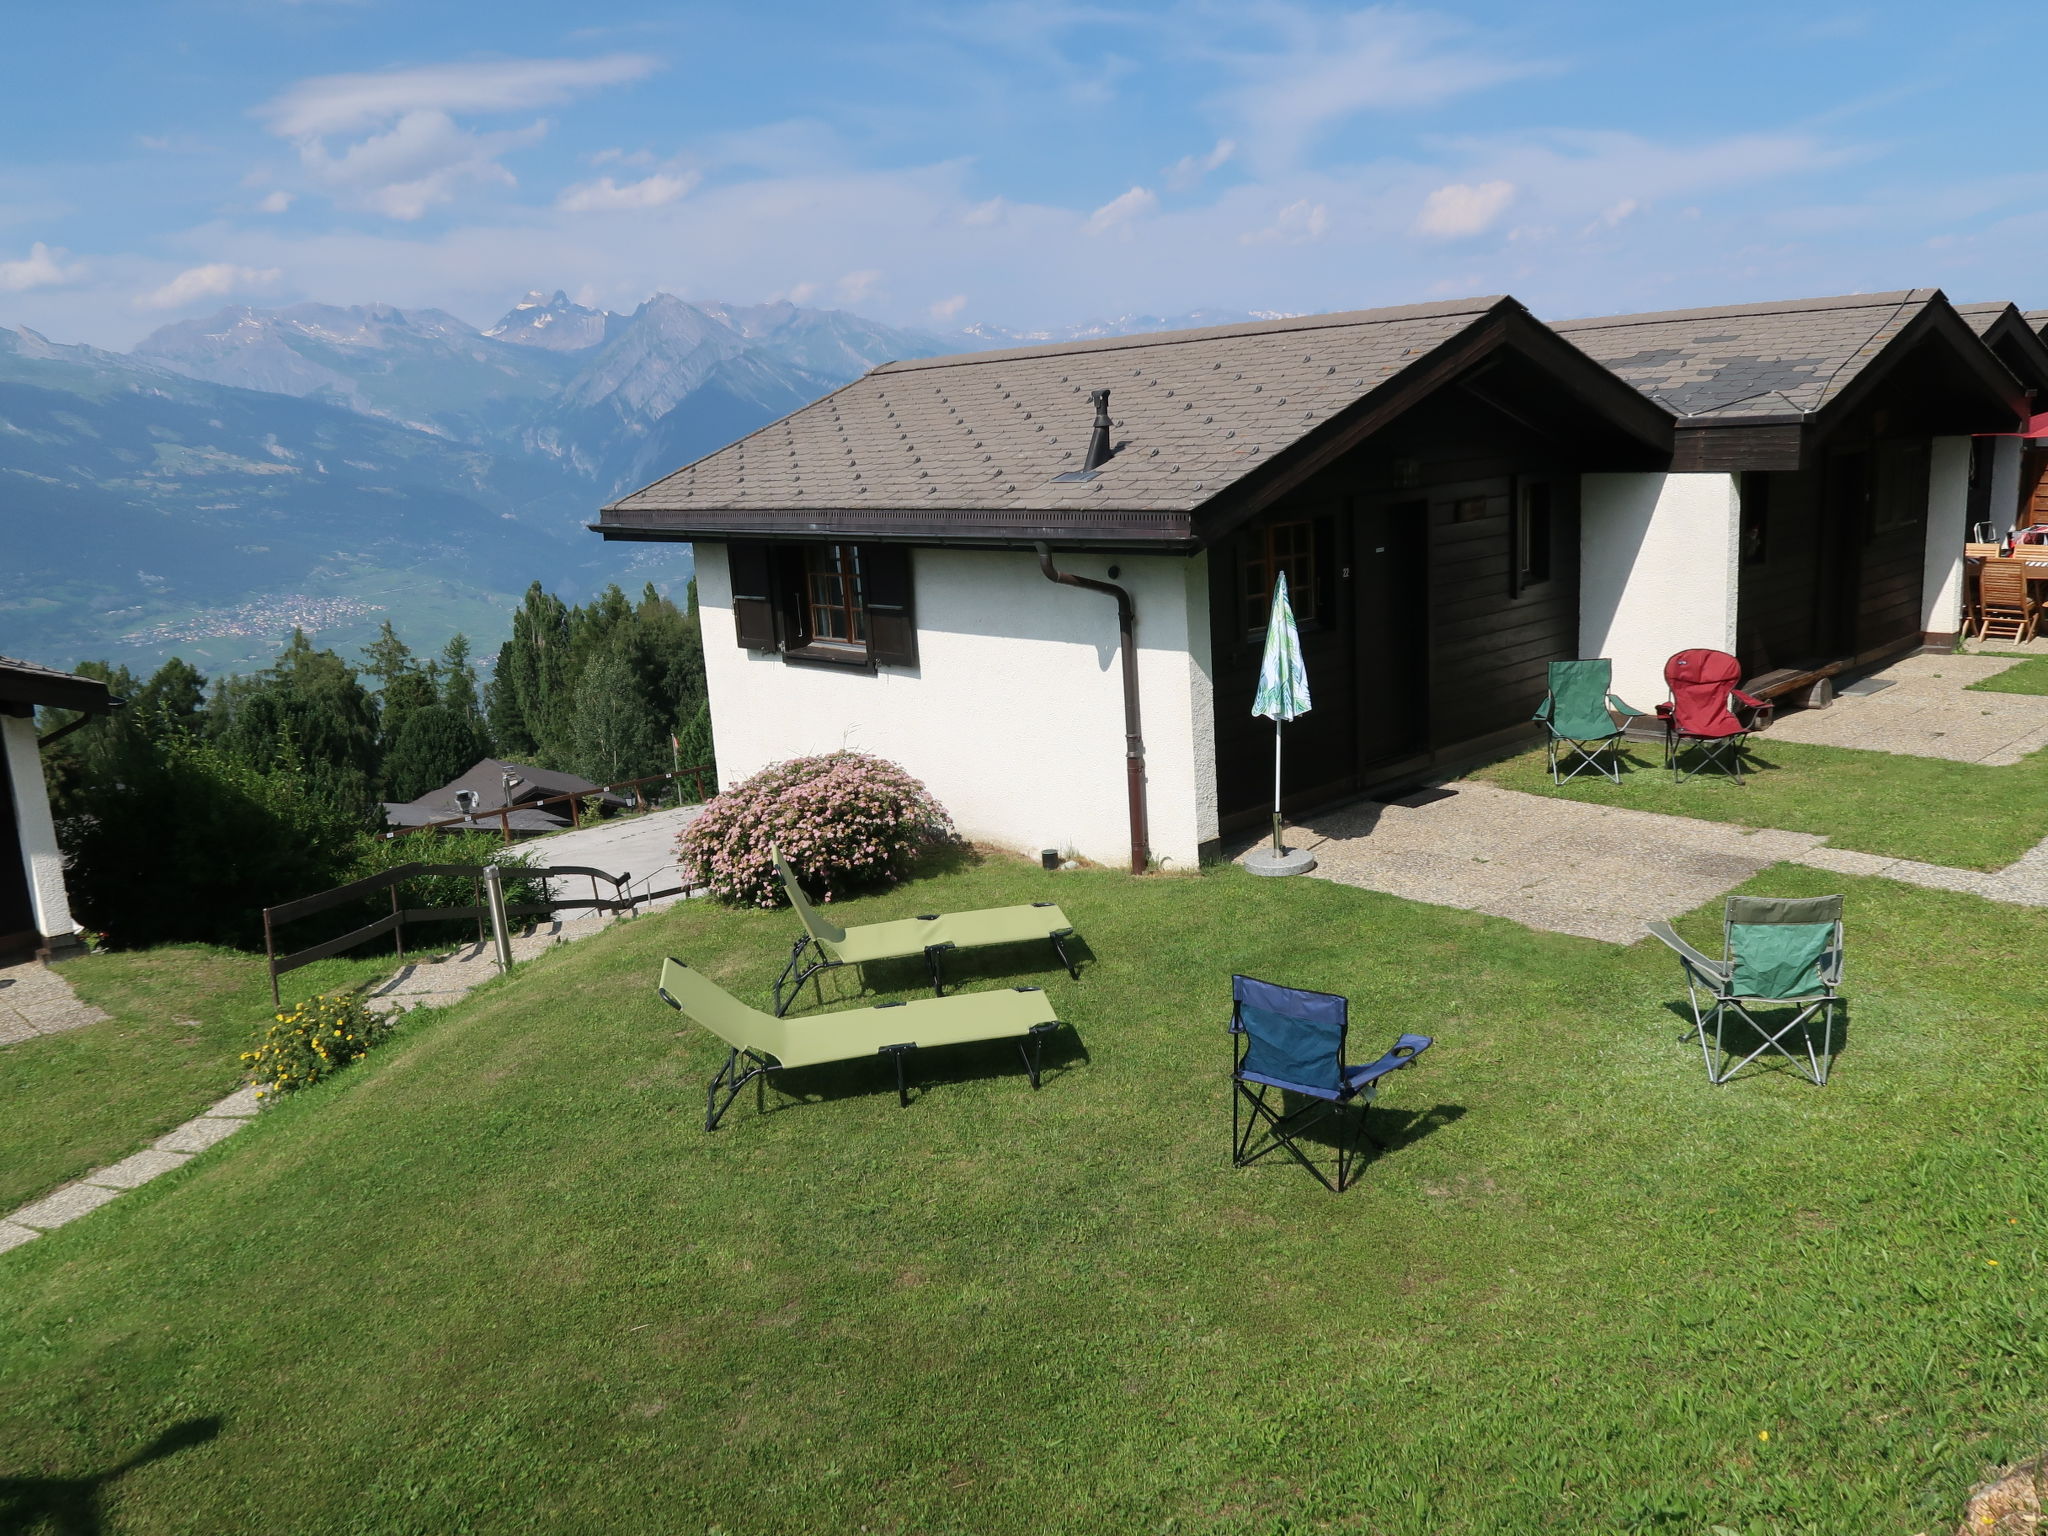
(1292, 1040)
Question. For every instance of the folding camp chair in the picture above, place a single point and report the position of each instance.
(1702, 716)
(1778, 950)
(761, 1043)
(1292, 1040)
(930, 935)
(1578, 713)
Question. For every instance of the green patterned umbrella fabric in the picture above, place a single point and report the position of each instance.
(1283, 681)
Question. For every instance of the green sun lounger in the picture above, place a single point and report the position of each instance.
(763, 1043)
(931, 936)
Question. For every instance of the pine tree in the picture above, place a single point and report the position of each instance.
(614, 736)
(435, 745)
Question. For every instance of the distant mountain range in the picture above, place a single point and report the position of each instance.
(334, 466)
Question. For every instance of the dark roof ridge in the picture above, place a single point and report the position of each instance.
(1893, 299)
(1346, 317)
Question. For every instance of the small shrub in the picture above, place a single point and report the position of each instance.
(842, 820)
(317, 1038)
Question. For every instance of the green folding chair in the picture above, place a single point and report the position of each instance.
(1578, 714)
(763, 1043)
(1780, 951)
(823, 945)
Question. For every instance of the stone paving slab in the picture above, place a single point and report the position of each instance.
(67, 1204)
(245, 1100)
(35, 999)
(197, 1135)
(1596, 871)
(13, 1235)
(1927, 712)
(139, 1169)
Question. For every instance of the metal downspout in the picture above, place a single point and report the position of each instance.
(1134, 741)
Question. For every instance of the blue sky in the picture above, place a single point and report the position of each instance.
(1023, 163)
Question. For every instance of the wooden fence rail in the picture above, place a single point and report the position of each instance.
(394, 921)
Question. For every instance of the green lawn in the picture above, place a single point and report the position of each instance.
(2030, 676)
(1927, 808)
(181, 1016)
(497, 1278)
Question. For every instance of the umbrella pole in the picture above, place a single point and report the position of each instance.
(1278, 850)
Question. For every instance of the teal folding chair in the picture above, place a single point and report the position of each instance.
(1780, 952)
(1578, 713)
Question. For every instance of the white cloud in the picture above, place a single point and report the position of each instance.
(1121, 210)
(1297, 224)
(1329, 68)
(274, 202)
(328, 104)
(41, 268)
(802, 293)
(605, 195)
(210, 281)
(1457, 210)
(990, 212)
(1189, 170)
(421, 161)
(857, 286)
(946, 309)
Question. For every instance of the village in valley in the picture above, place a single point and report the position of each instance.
(1411, 907)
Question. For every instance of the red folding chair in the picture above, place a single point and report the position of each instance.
(1702, 718)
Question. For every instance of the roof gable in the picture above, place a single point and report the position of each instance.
(1786, 359)
(2012, 338)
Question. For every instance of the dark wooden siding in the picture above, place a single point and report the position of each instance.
(1732, 450)
(1894, 553)
(1785, 552)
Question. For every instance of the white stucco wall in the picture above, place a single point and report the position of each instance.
(41, 860)
(2004, 504)
(1014, 714)
(1948, 516)
(1658, 572)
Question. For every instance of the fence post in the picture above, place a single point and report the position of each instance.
(270, 959)
(494, 890)
(397, 927)
(505, 824)
(575, 812)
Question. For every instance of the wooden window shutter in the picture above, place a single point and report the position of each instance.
(892, 614)
(753, 593)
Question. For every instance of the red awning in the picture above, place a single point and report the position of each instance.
(2036, 427)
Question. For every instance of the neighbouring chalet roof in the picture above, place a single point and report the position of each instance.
(26, 684)
(973, 445)
(487, 778)
(2013, 338)
(1785, 359)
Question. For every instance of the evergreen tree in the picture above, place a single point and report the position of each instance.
(311, 701)
(435, 744)
(613, 734)
(529, 693)
(458, 681)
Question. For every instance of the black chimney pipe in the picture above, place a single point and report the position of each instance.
(1127, 641)
(1098, 439)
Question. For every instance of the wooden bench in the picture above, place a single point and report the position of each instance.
(1810, 687)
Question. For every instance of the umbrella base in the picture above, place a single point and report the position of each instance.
(1264, 861)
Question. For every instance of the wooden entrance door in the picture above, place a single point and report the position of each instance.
(1387, 579)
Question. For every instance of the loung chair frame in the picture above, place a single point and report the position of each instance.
(1258, 1129)
(1570, 755)
(748, 1064)
(1711, 989)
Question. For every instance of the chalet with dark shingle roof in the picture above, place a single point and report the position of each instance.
(35, 911)
(867, 574)
(2006, 474)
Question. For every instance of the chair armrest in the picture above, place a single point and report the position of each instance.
(1753, 703)
(1714, 972)
(1614, 703)
(1545, 710)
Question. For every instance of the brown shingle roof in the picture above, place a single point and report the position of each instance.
(31, 683)
(1195, 411)
(1746, 360)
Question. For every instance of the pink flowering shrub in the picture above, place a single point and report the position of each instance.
(842, 820)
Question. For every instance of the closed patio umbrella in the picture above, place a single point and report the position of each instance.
(1283, 686)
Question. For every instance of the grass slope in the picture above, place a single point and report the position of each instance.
(498, 1278)
(1927, 808)
(181, 1016)
(2030, 676)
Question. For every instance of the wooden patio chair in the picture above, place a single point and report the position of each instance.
(2006, 609)
(1973, 596)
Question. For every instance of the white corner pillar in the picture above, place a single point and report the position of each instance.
(1658, 572)
(2002, 507)
(1948, 519)
(42, 861)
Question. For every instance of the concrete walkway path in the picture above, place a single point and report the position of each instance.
(35, 999)
(645, 846)
(1597, 871)
(1928, 711)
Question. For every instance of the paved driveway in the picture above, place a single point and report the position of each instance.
(645, 846)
